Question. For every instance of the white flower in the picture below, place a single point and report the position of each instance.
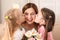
(38, 36)
(31, 33)
(28, 34)
(34, 32)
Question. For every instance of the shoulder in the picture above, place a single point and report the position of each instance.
(41, 28)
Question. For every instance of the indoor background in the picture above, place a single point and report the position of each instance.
(51, 4)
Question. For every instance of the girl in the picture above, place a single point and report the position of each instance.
(14, 19)
(46, 22)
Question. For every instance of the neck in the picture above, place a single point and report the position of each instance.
(28, 26)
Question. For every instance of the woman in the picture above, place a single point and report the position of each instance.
(46, 22)
(29, 12)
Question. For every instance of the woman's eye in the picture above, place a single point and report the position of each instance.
(32, 13)
(26, 13)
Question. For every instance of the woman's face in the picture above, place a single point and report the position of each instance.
(39, 18)
(30, 15)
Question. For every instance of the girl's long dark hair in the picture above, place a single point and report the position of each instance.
(49, 16)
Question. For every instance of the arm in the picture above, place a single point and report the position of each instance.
(50, 37)
(41, 30)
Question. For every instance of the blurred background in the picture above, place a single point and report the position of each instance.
(51, 4)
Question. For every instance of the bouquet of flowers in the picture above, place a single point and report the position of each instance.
(33, 35)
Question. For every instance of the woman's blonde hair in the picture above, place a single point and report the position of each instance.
(11, 17)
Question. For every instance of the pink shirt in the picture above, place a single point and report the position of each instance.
(41, 30)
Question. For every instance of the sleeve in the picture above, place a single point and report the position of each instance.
(17, 35)
(50, 37)
(41, 30)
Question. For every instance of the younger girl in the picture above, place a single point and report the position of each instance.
(46, 22)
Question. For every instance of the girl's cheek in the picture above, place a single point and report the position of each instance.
(18, 22)
(42, 22)
(37, 19)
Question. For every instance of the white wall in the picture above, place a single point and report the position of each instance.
(0, 11)
(58, 10)
(7, 4)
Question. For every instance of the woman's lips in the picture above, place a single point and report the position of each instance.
(30, 20)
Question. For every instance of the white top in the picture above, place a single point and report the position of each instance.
(18, 34)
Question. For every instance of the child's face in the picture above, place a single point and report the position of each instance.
(39, 18)
(20, 20)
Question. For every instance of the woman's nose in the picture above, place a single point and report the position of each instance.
(29, 17)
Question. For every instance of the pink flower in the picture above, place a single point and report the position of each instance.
(31, 39)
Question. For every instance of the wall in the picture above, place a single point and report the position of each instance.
(56, 31)
(7, 4)
(0, 11)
